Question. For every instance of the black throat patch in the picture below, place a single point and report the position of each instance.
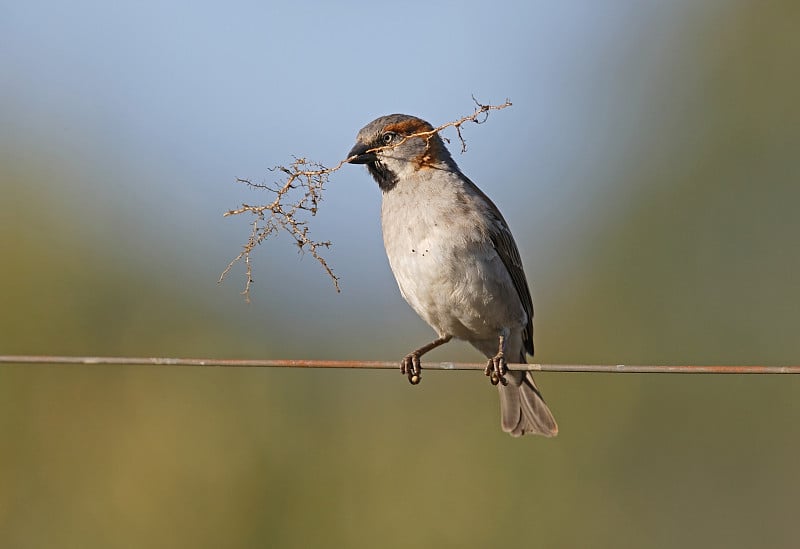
(385, 178)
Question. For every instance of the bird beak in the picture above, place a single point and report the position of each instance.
(359, 154)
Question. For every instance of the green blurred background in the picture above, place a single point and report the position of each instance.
(649, 170)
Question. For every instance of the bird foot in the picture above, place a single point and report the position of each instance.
(411, 366)
(496, 369)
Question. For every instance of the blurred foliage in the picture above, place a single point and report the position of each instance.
(698, 264)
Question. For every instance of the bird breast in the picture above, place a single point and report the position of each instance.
(441, 254)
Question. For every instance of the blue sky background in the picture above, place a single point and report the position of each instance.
(153, 109)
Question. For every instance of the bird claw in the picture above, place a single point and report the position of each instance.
(496, 369)
(411, 366)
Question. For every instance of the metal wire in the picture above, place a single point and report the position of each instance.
(361, 364)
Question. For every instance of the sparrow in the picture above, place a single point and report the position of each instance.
(455, 261)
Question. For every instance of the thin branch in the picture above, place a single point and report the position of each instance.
(298, 196)
(366, 364)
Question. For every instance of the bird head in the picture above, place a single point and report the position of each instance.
(397, 146)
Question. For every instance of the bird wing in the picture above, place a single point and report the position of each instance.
(503, 242)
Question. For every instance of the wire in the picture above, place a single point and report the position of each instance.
(256, 363)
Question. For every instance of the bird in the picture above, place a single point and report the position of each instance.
(455, 261)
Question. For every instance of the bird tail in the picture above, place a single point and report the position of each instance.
(522, 408)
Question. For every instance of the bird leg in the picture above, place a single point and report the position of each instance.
(496, 368)
(411, 366)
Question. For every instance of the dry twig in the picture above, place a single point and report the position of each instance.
(297, 197)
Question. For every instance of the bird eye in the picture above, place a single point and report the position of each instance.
(387, 138)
